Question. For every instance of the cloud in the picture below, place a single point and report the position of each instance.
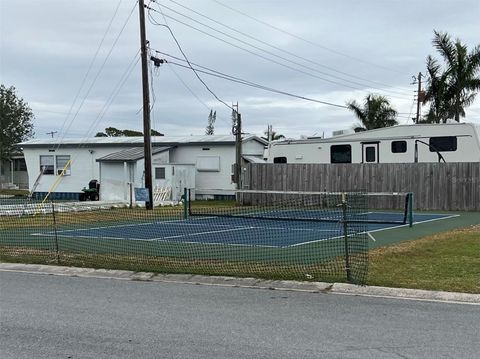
(348, 43)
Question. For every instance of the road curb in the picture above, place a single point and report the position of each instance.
(405, 293)
(287, 285)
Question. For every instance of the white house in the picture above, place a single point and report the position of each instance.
(455, 142)
(123, 171)
(64, 167)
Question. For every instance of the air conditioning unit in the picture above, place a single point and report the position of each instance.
(342, 132)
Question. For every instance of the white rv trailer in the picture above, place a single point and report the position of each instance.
(456, 142)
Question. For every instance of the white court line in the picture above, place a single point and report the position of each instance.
(181, 224)
(103, 227)
(168, 239)
(378, 230)
(202, 233)
(162, 239)
(436, 219)
(127, 225)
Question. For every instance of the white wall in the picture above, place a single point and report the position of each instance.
(253, 148)
(177, 177)
(115, 179)
(206, 181)
(83, 167)
(162, 157)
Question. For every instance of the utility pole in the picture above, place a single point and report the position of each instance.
(146, 108)
(237, 131)
(51, 133)
(419, 96)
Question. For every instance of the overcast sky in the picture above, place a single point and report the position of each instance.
(330, 51)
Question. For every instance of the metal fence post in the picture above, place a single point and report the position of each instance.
(186, 201)
(345, 236)
(55, 231)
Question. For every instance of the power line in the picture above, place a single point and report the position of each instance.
(255, 85)
(116, 90)
(87, 73)
(185, 56)
(268, 58)
(276, 48)
(194, 94)
(305, 40)
(99, 70)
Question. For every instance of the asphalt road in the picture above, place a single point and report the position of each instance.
(45, 316)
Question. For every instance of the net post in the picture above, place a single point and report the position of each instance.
(345, 236)
(189, 201)
(185, 203)
(410, 209)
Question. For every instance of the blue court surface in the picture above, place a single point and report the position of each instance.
(239, 231)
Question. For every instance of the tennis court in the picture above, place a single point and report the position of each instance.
(265, 233)
(244, 231)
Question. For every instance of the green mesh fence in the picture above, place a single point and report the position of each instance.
(304, 236)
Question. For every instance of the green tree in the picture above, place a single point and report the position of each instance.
(375, 112)
(212, 117)
(115, 132)
(132, 133)
(16, 120)
(450, 91)
(274, 135)
(436, 93)
(101, 134)
(155, 132)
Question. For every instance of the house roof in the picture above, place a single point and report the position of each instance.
(138, 141)
(253, 159)
(130, 154)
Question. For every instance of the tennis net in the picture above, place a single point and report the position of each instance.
(351, 207)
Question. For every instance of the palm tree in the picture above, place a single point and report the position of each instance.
(436, 93)
(274, 136)
(460, 80)
(376, 112)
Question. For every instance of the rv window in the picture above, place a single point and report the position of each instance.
(341, 154)
(47, 165)
(280, 160)
(370, 154)
(61, 163)
(160, 173)
(399, 146)
(444, 144)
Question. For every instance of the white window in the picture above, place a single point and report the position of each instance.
(62, 162)
(47, 165)
(208, 163)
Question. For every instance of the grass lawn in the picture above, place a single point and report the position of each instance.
(448, 261)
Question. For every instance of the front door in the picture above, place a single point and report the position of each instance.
(370, 153)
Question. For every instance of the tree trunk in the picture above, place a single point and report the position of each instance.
(457, 108)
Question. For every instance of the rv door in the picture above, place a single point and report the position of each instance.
(370, 152)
